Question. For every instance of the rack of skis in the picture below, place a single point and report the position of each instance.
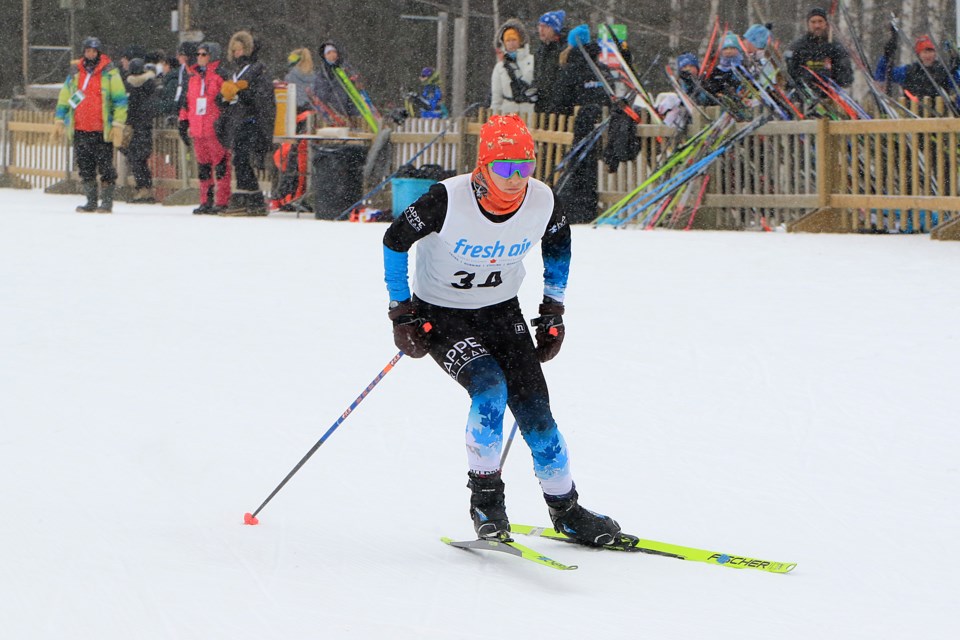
(673, 193)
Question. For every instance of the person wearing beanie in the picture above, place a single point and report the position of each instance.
(914, 77)
(546, 70)
(201, 111)
(755, 41)
(245, 126)
(473, 232)
(815, 51)
(512, 87)
(723, 79)
(688, 76)
(92, 111)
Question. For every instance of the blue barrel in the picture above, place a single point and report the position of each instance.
(406, 191)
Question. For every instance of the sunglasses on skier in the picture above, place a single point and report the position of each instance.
(506, 168)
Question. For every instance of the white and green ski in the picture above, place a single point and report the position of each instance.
(509, 547)
(633, 544)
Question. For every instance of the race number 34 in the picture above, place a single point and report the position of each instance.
(467, 278)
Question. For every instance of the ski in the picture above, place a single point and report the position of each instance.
(509, 547)
(633, 544)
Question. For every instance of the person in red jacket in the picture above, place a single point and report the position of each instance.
(198, 118)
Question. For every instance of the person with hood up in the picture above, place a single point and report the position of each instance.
(245, 126)
(92, 109)
(511, 84)
(473, 232)
(328, 89)
(141, 110)
(198, 118)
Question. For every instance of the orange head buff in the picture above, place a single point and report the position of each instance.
(501, 138)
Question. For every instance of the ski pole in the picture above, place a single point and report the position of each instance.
(251, 518)
(506, 447)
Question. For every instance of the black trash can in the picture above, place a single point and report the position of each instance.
(337, 178)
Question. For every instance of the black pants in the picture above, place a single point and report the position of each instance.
(490, 353)
(94, 156)
(246, 147)
(138, 153)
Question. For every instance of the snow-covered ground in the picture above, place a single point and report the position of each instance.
(790, 397)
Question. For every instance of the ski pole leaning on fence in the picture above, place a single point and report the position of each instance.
(374, 191)
(251, 518)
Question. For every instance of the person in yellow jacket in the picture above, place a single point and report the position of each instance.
(92, 110)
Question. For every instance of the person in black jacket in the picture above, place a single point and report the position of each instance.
(816, 52)
(141, 110)
(913, 77)
(546, 69)
(580, 86)
(246, 123)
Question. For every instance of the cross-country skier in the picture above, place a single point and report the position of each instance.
(474, 230)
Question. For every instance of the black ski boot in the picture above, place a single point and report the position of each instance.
(106, 198)
(206, 208)
(488, 508)
(89, 190)
(582, 525)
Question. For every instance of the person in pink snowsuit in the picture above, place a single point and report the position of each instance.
(198, 120)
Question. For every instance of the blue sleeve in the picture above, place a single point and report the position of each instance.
(395, 273)
(555, 246)
(881, 73)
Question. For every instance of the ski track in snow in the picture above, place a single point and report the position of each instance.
(784, 396)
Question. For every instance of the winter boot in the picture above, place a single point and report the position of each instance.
(488, 508)
(582, 525)
(206, 206)
(143, 195)
(237, 205)
(256, 205)
(106, 198)
(89, 190)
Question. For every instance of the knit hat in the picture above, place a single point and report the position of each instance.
(505, 137)
(137, 66)
(293, 58)
(554, 19)
(188, 49)
(687, 59)
(923, 43)
(757, 35)
(580, 34)
(817, 12)
(731, 41)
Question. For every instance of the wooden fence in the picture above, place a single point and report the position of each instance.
(811, 175)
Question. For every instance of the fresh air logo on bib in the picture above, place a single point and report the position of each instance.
(493, 252)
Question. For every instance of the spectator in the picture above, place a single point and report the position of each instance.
(546, 69)
(429, 102)
(128, 54)
(175, 81)
(580, 86)
(511, 84)
(722, 81)
(688, 76)
(141, 111)
(92, 108)
(246, 123)
(198, 118)
(913, 77)
(329, 90)
(755, 41)
(814, 51)
(301, 74)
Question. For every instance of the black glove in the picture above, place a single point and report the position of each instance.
(890, 49)
(409, 329)
(549, 329)
(184, 128)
